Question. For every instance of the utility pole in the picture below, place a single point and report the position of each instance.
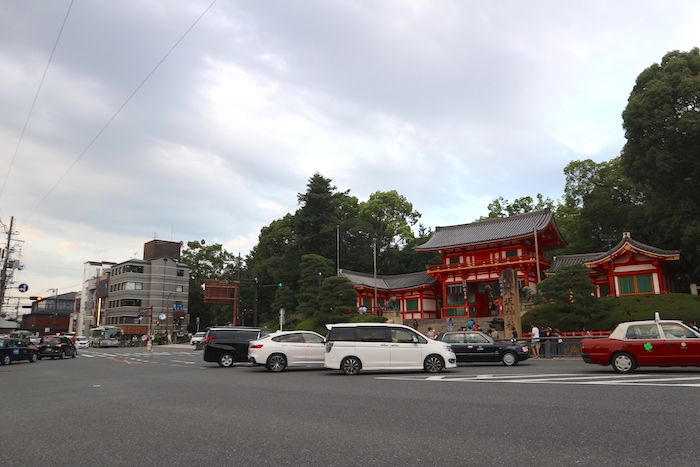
(5, 263)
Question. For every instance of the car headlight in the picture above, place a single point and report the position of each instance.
(448, 348)
(525, 349)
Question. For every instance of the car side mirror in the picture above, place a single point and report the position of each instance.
(415, 339)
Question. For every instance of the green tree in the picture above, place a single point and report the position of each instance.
(571, 285)
(390, 217)
(338, 296)
(208, 262)
(316, 221)
(600, 201)
(501, 207)
(662, 127)
(313, 270)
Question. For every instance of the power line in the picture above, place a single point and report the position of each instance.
(36, 97)
(99, 133)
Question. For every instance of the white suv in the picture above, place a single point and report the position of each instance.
(352, 347)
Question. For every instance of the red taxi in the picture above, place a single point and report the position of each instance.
(645, 343)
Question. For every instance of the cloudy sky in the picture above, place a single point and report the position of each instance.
(124, 121)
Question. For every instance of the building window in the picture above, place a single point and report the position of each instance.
(180, 272)
(454, 260)
(133, 268)
(636, 284)
(511, 253)
(412, 304)
(130, 302)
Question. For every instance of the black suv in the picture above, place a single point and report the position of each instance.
(227, 345)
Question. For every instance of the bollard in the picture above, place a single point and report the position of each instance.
(547, 348)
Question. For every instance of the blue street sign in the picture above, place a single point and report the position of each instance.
(23, 288)
(178, 307)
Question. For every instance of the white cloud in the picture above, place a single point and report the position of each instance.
(450, 103)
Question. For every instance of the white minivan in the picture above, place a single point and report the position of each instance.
(352, 347)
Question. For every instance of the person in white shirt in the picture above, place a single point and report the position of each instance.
(535, 341)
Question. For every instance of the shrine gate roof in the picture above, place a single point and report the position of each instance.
(627, 243)
(491, 230)
(394, 282)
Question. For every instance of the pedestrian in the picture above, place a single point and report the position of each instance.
(415, 324)
(149, 344)
(470, 324)
(514, 339)
(493, 332)
(450, 323)
(363, 310)
(556, 333)
(431, 333)
(535, 341)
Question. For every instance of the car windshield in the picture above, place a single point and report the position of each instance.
(51, 340)
(677, 331)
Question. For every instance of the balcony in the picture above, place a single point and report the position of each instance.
(499, 263)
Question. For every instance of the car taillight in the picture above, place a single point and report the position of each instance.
(206, 341)
(256, 346)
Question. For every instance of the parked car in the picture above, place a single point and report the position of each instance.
(645, 343)
(198, 338)
(352, 347)
(13, 349)
(475, 346)
(227, 345)
(56, 346)
(288, 348)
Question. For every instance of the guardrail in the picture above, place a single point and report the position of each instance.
(555, 347)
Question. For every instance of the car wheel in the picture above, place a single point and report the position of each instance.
(226, 360)
(5, 360)
(509, 358)
(38, 357)
(276, 362)
(623, 362)
(63, 355)
(33, 358)
(75, 352)
(351, 365)
(433, 364)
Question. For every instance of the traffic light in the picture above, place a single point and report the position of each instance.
(38, 299)
(280, 284)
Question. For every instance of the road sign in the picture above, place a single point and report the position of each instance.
(178, 307)
(23, 288)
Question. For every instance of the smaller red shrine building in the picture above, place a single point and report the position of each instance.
(467, 281)
(628, 268)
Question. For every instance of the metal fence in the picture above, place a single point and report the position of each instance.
(556, 347)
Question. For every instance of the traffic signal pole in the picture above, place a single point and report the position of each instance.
(5, 262)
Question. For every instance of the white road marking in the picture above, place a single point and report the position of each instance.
(563, 378)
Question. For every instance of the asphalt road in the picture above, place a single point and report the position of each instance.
(113, 407)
